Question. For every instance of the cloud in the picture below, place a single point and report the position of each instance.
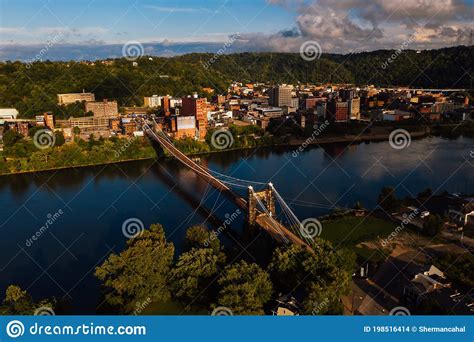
(359, 25)
(177, 9)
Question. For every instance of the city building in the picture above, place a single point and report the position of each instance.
(23, 128)
(354, 108)
(103, 108)
(338, 111)
(280, 96)
(152, 101)
(395, 115)
(8, 113)
(64, 99)
(198, 108)
(49, 120)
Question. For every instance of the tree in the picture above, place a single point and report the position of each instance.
(59, 138)
(192, 274)
(140, 272)
(387, 199)
(245, 288)
(11, 137)
(432, 225)
(33, 130)
(322, 276)
(427, 193)
(200, 237)
(76, 130)
(19, 302)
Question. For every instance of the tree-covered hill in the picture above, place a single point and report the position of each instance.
(32, 88)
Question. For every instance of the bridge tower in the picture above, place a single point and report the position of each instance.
(265, 196)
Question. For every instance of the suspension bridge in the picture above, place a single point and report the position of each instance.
(260, 206)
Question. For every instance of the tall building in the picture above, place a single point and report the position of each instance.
(280, 96)
(104, 108)
(347, 94)
(354, 108)
(338, 111)
(75, 97)
(49, 120)
(152, 101)
(198, 108)
(165, 105)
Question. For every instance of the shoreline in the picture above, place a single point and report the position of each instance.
(296, 142)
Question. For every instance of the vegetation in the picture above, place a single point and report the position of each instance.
(245, 288)
(33, 90)
(140, 273)
(432, 225)
(23, 155)
(323, 277)
(19, 302)
(349, 230)
(458, 268)
(387, 199)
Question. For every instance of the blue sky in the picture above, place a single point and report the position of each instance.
(100, 28)
(30, 21)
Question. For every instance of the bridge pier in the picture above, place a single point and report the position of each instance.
(266, 196)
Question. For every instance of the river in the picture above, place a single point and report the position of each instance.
(89, 205)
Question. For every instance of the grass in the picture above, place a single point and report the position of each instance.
(349, 231)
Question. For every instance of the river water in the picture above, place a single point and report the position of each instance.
(87, 206)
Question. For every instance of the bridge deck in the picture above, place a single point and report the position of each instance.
(273, 227)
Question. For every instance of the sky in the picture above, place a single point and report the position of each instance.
(99, 28)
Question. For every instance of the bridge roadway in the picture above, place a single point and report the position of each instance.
(269, 224)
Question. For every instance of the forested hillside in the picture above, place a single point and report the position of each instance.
(32, 88)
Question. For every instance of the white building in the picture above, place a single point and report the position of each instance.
(8, 113)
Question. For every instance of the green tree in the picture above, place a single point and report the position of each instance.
(201, 237)
(140, 272)
(19, 302)
(33, 130)
(323, 276)
(11, 137)
(192, 274)
(59, 138)
(387, 199)
(432, 225)
(245, 288)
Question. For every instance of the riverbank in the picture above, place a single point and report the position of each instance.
(290, 143)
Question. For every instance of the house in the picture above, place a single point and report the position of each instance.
(287, 305)
(430, 285)
(462, 213)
